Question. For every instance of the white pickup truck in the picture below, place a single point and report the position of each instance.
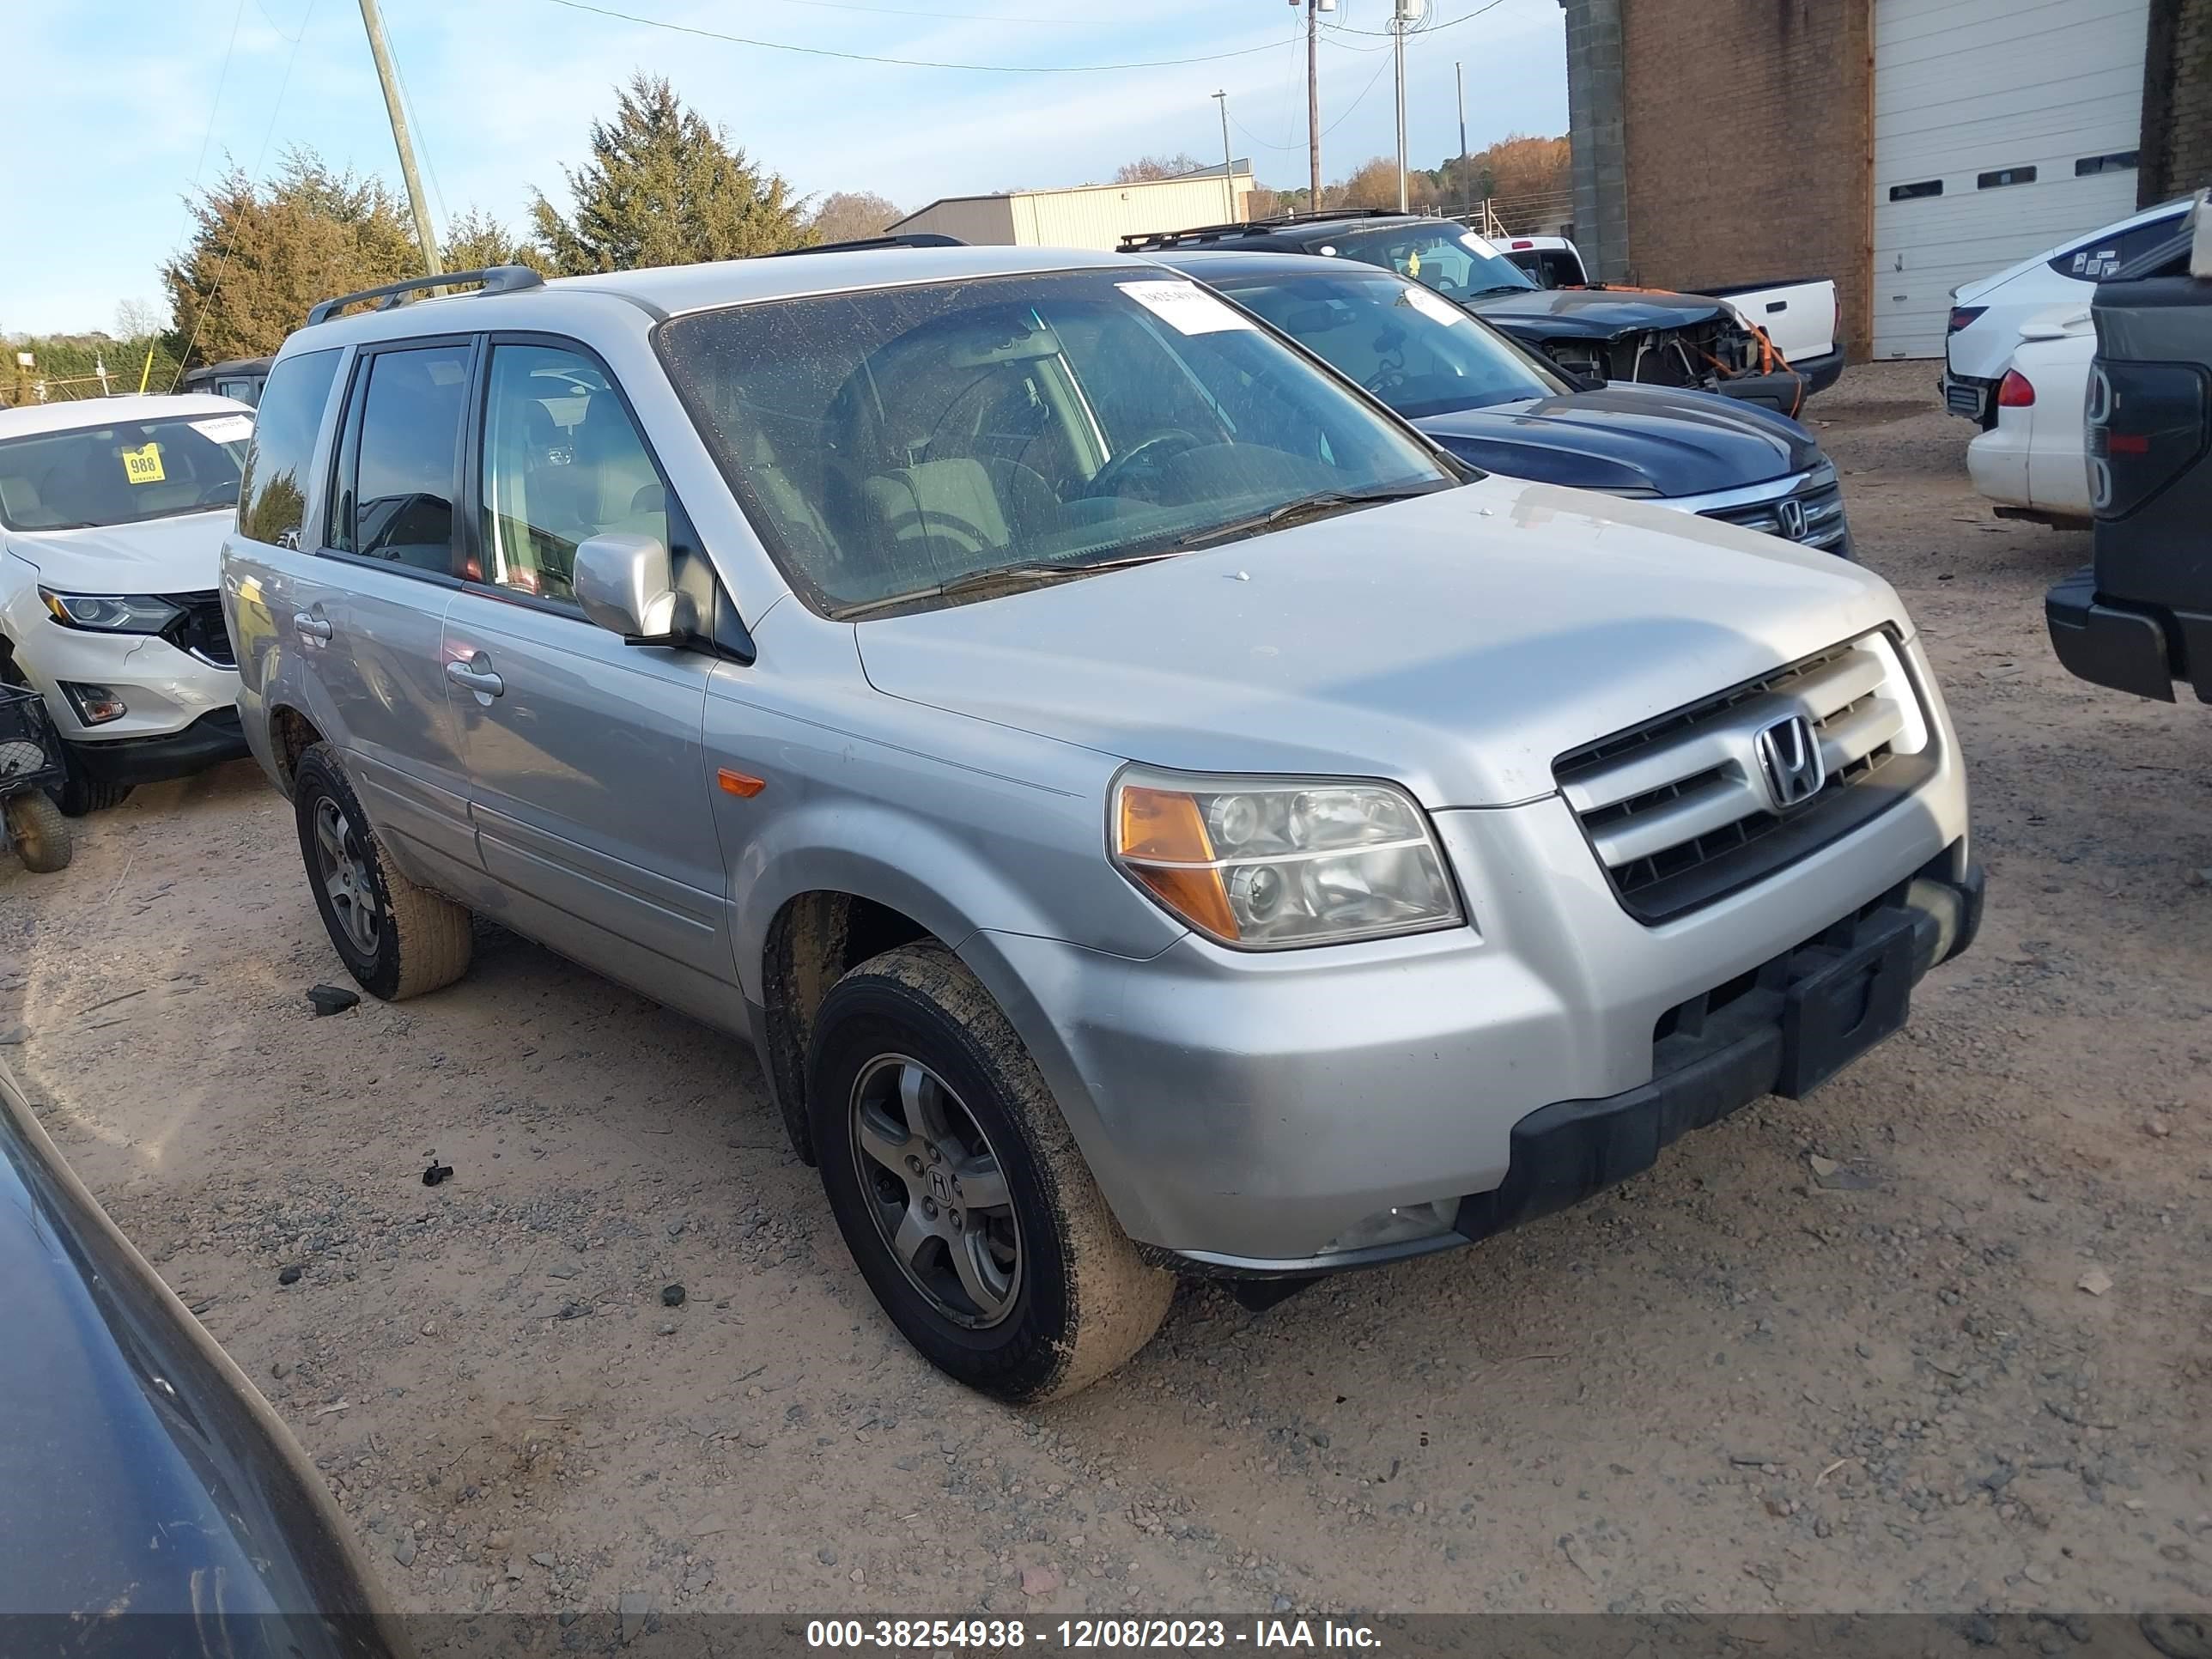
(1798, 318)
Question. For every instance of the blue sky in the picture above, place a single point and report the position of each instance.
(113, 110)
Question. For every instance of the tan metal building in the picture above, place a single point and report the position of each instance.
(1088, 216)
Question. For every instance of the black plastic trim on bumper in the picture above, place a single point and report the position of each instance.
(1821, 372)
(214, 738)
(1784, 391)
(2127, 649)
(1782, 1037)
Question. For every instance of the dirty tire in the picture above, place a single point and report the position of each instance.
(1085, 1300)
(423, 940)
(79, 792)
(40, 833)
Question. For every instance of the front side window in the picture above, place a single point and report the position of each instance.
(401, 475)
(563, 462)
(1438, 254)
(896, 443)
(123, 472)
(1418, 352)
(272, 497)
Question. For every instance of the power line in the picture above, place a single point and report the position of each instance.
(215, 107)
(914, 62)
(954, 17)
(1418, 28)
(223, 267)
(1373, 80)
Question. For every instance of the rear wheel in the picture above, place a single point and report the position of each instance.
(397, 939)
(40, 832)
(960, 1191)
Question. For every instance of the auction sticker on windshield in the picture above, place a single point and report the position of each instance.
(1185, 307)
(143, 465)
(225, 429)
(1433, 305)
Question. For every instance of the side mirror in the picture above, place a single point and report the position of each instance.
(623, 584)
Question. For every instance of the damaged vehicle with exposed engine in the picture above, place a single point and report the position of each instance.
(1699, 342)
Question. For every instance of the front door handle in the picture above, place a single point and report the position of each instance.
(308, 626)
(476, 674)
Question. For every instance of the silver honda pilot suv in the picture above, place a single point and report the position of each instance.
(1151, 812)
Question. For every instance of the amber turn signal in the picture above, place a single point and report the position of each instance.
(744, 785)
(1162, 839)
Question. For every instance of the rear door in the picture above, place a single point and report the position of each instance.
(588, 779)
(391, 551)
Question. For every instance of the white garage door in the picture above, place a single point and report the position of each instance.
(2001, 128)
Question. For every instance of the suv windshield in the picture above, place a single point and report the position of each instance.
(893, 442)
(1444, 256)
(124, 473)
(1418, 352)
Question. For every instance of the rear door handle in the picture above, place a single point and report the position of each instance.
(480, 680)
(310, 627)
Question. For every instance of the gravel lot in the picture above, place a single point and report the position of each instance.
(1747, 1381)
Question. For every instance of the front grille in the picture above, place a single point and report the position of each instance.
(1679, 810)
(1821, 503)
(201, 630)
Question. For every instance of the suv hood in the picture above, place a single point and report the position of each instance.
(1456, 642)
(1596, 313)
(1630, 437)
(162, 555)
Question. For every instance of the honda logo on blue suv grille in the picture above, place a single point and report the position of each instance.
(1789, 755)
(1790, 513)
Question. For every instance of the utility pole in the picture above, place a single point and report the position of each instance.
(379, 49)
(1313, 104)
(1228, 164)
(1466, 189)
(1402, 16)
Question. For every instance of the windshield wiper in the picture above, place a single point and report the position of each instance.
(1029, 573)
(1306, 508)
(1506, 287)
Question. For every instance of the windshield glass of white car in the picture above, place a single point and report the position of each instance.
(1414, 349)
(124, 473)
(924, 442)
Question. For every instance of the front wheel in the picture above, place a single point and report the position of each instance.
(81, 793)
(397, 939)
(960, 1191)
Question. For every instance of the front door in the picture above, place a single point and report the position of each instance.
(587, 780)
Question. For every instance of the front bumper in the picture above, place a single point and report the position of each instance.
(2140, 649)
(214, 738)
(1246, 1112)
(1821, 372)
(166, 690)
(1782, 390)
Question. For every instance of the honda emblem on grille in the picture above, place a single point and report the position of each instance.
(1790, 755)
(1790, 513)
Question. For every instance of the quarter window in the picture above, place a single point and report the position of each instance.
(402, 476)
(563, 462)
(273, 497)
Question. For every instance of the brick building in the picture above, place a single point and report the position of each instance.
(1902, 147)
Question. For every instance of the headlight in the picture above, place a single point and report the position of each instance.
(111, 613)
(1267, 864)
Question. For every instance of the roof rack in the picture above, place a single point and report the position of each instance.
(494, 279)
(913, 238)
(1152, 238)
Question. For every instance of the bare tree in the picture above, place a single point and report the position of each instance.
(852, 215)
(1146, 167)
(137, 319)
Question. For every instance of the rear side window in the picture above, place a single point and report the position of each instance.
(2093, 261)
(400, 475)
(273, 497)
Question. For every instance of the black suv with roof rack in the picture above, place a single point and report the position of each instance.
(2139, 618)
(1599, 334)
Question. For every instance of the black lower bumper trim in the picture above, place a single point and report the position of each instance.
(1783, 390)
(211, 740)
(2107, 645)
(1804, 1015)
(1821, 372)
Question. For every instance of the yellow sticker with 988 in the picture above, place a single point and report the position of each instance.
(143, 465)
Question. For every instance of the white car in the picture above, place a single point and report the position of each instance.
(1987, 316)
(112, 512)
(2034, 461)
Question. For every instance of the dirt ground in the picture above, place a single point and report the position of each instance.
(1744, 1382)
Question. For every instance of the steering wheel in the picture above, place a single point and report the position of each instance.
(1148, 454)
(1386, 380)
(220, 494)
